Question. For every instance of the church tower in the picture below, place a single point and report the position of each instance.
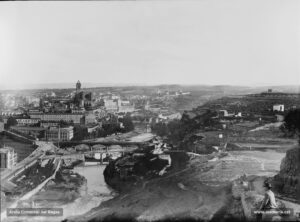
(78, 86)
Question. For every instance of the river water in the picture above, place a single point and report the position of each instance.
(93, 194)
(97, 191)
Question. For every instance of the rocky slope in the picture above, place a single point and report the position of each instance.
(202, 189)
(179, 194)
(132, 170)
(287, 181)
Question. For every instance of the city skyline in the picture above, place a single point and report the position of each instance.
(150, 43)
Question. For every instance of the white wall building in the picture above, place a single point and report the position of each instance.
(67, 117)
(223, 112)
(27, 121)
(170, 116)
(278, 107)
(60, 134)
(8, 157)
(111, 105)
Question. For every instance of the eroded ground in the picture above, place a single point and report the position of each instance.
(202, 190)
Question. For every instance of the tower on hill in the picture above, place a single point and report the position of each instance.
(78, 86)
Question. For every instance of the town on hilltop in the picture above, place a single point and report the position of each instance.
(216, 142)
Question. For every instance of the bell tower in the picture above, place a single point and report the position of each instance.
(78, 86)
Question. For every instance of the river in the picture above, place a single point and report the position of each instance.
(95, 192)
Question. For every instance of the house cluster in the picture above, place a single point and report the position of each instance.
(118, 106)
(278, 109)
(49, 115)
(55, 116)
(168, 116)
(225, 113)
(171, 93)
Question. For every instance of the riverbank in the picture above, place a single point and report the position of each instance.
(200, 190)
(76, 191)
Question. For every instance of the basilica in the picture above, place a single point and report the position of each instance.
(82, 99)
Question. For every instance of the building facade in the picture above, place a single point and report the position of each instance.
(8, 157)
(27, 121)
(37, 132)
(111, 105)
(47, 124)
(170, 116)
(1, 126)
(56, 117)
(59, 134)
(90, 118)
(278, 107)
(100, 113)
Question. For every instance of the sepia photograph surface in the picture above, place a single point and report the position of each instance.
(150, 110)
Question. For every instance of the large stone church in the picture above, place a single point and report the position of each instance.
(82, 99)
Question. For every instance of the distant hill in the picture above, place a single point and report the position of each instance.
(226, 89)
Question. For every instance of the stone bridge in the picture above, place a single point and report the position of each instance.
(65, 144)
(108, 147)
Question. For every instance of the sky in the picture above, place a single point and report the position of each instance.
(213, 42)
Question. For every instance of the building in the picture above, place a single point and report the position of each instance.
(37, 132)
(59, 134)
(239, 114)
(35, 102)
(34, 111)
(169, 116)
(8, 157)
(147, 105)
(111, 105)
(76, 118)
(82, 99)
(223, 113)
(154, 109)
(92, 128)
(124, 106)
(90, 118)
(100, 113)
(148, 128)
(278, 107)
(27, 121)
(47, 124)
(16, 112)
(78, 86)
(1, 126)
(78, 111)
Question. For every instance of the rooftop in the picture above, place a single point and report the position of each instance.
(28, 128)
(78, 114)
(61, 129)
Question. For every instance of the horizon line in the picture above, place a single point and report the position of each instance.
(40, 86)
